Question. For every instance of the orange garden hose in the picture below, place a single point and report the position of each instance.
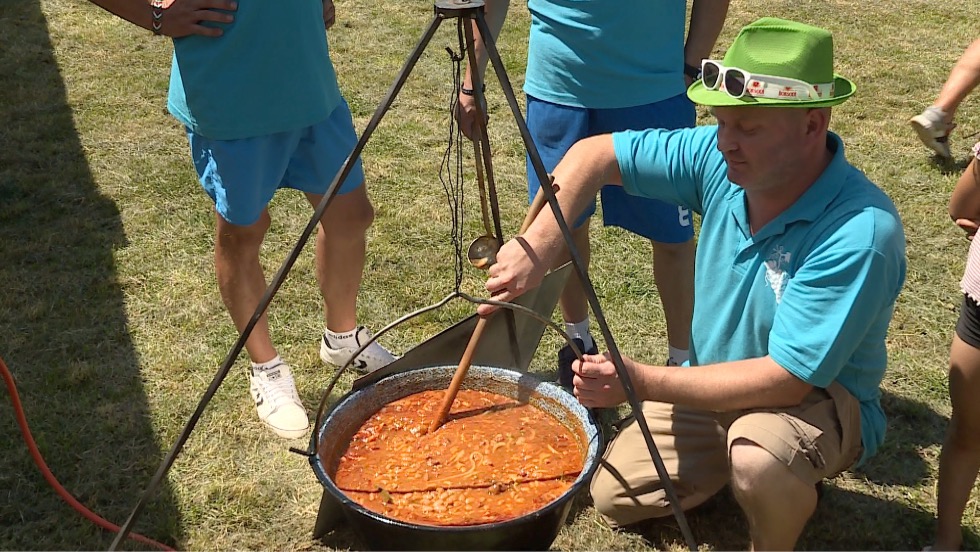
(8, 378)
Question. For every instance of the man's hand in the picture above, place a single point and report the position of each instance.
(517, 270)
(467, 116)
(329, 14)
(184, 17)
(597, 383)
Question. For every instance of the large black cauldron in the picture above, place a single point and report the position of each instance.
(534, 531)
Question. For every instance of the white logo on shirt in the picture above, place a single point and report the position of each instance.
(775, 273)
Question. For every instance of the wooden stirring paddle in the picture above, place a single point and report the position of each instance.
(481, 325)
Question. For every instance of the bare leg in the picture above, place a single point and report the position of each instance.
(574, 304)
(340, 250)
(673, 272)
(960, 458)
(776, 502)
(963, 78)
(241, 281)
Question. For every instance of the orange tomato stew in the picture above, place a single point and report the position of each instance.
(494, 459)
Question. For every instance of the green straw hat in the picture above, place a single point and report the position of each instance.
(781, 48)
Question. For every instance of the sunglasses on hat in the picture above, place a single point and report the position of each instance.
(738, 83)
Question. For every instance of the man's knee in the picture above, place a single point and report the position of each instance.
(964, 432)
(624, 502)
(620, 505)
(234, 238)
(751, 466)
(349, 215)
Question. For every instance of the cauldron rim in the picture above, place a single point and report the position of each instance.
(593, 439)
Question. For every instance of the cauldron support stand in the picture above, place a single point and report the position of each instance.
(549, 193)
(473, 9)
(444, 9)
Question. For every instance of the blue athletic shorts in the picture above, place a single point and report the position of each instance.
(555, 128)
(242, 175)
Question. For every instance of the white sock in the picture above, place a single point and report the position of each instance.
(262, 366)
(677, 356)
(580, 330)
(341, 340)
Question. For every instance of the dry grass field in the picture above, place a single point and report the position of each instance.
(112, 325)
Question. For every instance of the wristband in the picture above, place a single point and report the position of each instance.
(156, 11)
(469, 91)
(692, 71)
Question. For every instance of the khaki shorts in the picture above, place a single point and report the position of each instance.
(816, 439)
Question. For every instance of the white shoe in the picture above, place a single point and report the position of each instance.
(372, 358)
(933, 130)
(277, 402)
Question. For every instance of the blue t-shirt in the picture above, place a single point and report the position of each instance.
(269, 72)
(814, 288)
(604, 54)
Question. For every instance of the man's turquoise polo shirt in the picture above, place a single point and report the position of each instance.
(814, 289)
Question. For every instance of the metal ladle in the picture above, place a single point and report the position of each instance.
(483, 250)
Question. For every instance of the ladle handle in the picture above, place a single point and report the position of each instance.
(467, 359)
(484, 210)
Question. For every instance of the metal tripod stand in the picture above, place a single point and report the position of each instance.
(465, 12)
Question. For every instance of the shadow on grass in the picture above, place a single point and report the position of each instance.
(844, 520)
(63, 325)
(912, 426)
(949, 166)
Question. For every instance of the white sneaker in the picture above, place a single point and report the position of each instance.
(933, 130)
(277, 402)
(372, 358)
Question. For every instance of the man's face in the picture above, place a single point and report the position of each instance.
(761, 145)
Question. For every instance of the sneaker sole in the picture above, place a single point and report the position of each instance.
(926, 137)
(283, 432)
(289, 433)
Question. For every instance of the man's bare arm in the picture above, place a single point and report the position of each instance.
(707, 20)
(178, 17)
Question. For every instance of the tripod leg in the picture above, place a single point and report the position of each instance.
(617, 358)
(328, 516)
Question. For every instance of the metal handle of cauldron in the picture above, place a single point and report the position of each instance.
(547, 322)
(330, 512)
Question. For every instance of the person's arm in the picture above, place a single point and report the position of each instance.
(523, 261)
(964, 203)
(707, 20)
(495, 12)
(722, 387)
(178, 17)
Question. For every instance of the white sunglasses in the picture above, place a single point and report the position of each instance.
(738, 82)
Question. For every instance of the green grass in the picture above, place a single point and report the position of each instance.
(112, 325)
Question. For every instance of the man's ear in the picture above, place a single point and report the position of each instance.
(818, 121)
